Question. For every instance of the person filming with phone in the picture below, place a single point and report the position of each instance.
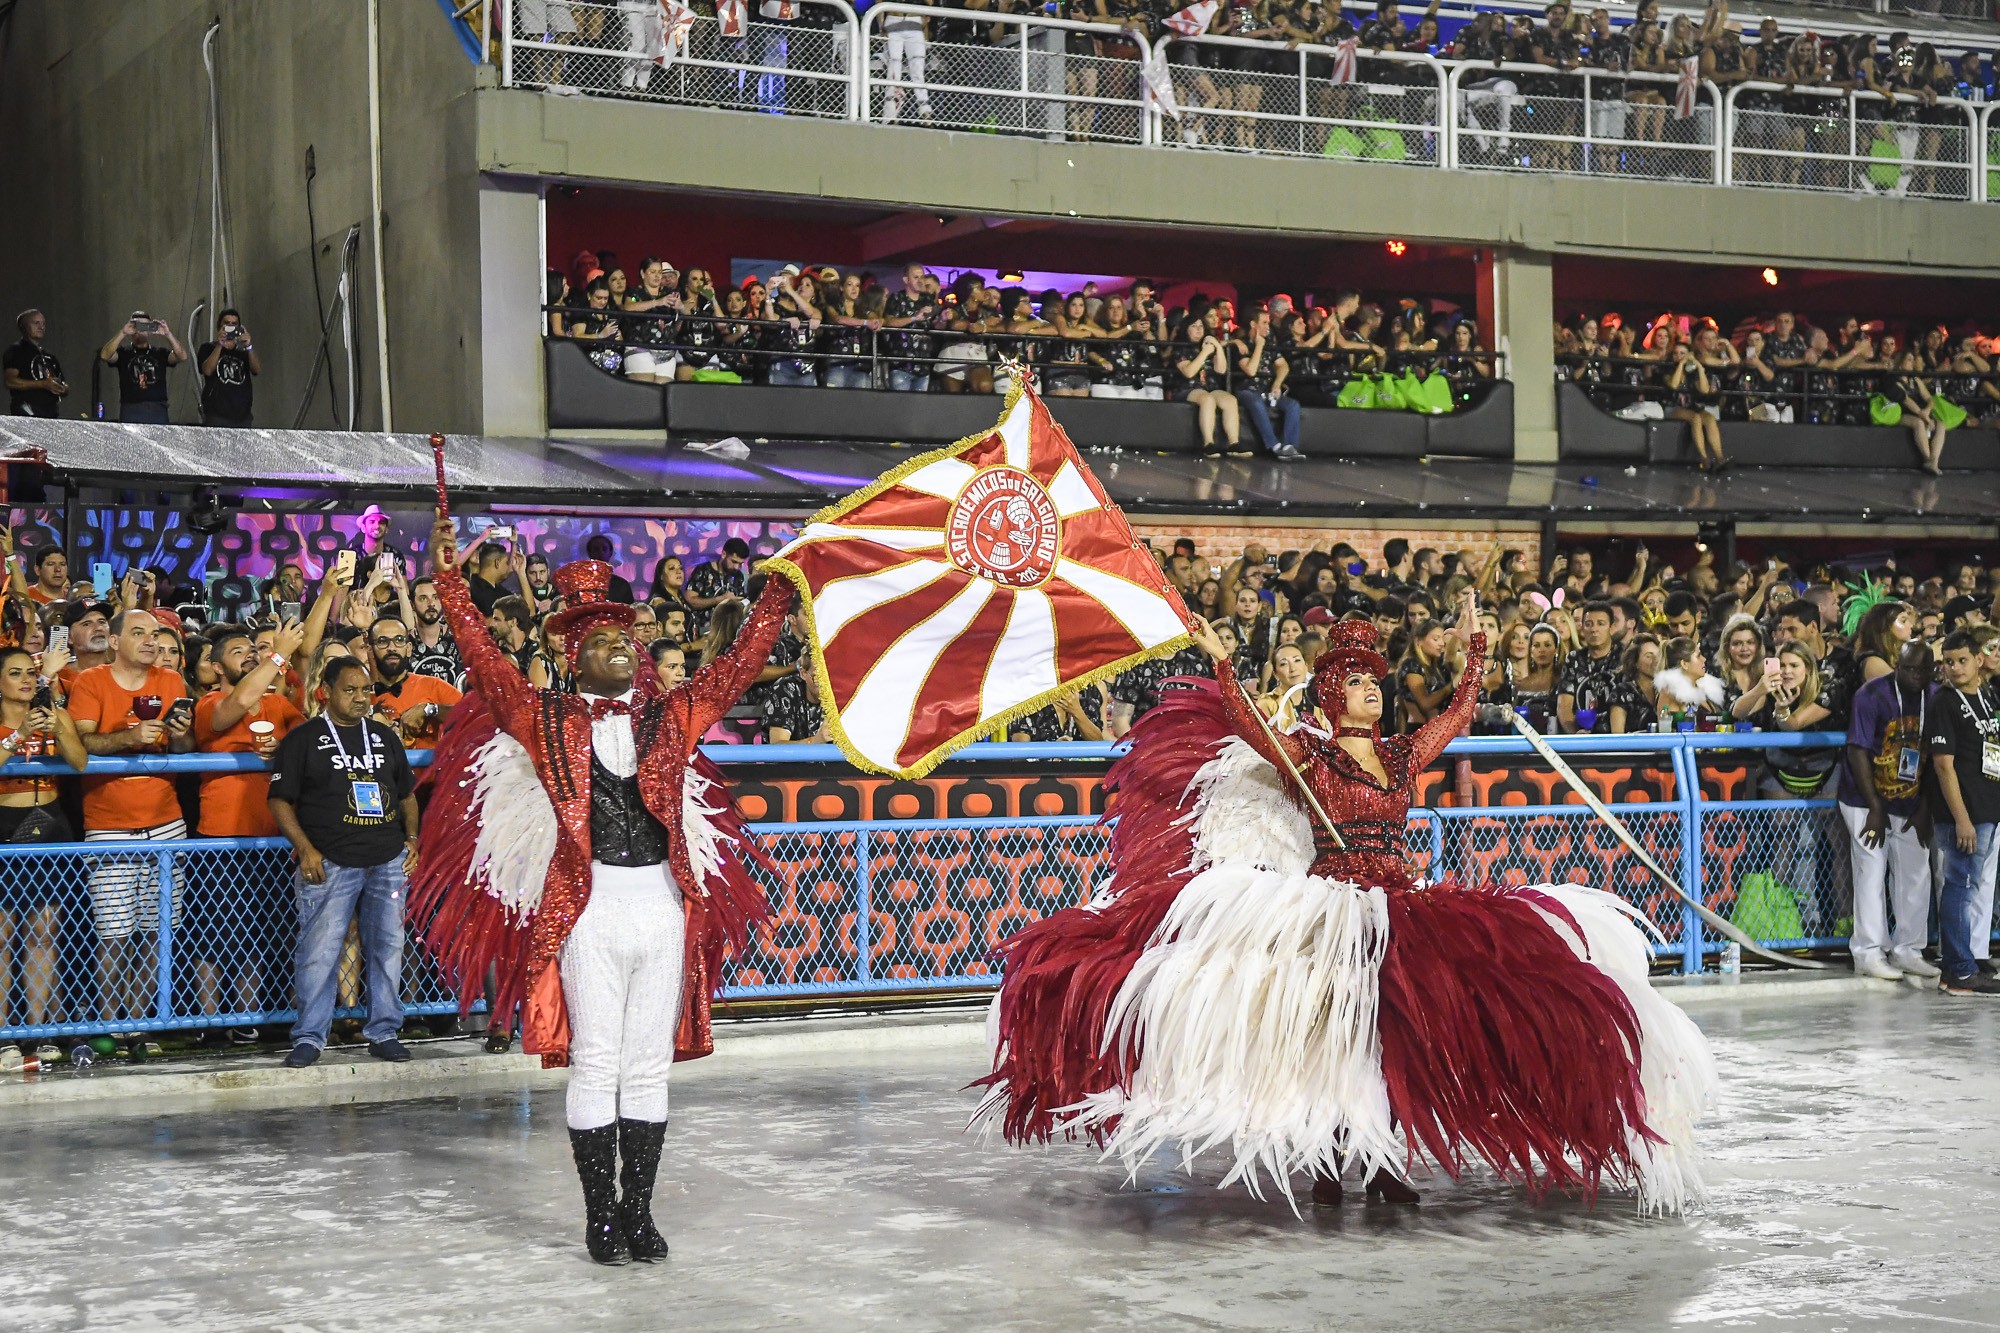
(126, 707)
(227, 365)
(142, 367)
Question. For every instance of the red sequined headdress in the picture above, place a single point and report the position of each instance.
(1350, 647)
(585, 586)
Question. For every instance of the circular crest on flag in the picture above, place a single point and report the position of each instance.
(1003, 527)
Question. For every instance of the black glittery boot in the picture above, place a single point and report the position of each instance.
(639, 1153)
(596, 1152)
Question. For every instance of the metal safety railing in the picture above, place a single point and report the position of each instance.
(206, 927)
(1829, 139)
(1530, 118)
(1039, 76)
(1236, 94)
(796, 62)
(1034, 75)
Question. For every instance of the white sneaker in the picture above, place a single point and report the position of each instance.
(1874, 965)
(1912, 963)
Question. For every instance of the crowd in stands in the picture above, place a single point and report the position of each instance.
(1216, 79)
(144, 668)
(815, 326)
(1930, 380)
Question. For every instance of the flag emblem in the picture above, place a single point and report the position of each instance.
(1004, 527)
(971, 586)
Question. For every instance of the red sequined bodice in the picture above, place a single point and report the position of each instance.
(1371, 817)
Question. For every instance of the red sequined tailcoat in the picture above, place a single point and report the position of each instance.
(1350, 795)
(554, 728)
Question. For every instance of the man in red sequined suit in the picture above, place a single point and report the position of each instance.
(1244, 982)
(615, 952)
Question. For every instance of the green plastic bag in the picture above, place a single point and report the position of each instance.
(1766, 909)
(710, 375)
(1357, 392)
(1884, 175)
(1388, 394)
(1948, 414)
(1343, 142)
(1883, 412)
(1430, 395)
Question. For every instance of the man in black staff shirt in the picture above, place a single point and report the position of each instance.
(142, 367)
(1590, 674)
(1963, 740)
(35, 386)
(714, 582)
(343, 795)
(910, 308)
(226, 367)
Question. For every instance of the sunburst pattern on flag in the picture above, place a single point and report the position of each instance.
(971, 586)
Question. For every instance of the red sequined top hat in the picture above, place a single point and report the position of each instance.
(1350, 646)
(585, 586)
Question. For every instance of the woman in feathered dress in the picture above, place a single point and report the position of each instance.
(1242, 981)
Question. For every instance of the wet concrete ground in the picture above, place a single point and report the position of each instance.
(1856, 1175)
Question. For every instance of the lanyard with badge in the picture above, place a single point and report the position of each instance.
(1909, 758)
(1989, 747)
(364, 794)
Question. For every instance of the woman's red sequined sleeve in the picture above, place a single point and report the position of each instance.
(1437, 733)
(1247, 722)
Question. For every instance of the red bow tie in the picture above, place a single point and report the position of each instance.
(603, 708)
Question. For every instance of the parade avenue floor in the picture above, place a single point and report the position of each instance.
(1856, 1170)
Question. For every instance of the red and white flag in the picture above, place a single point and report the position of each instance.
(667, 32)
(1344, 58)
(1194, 20)
(971, 586)
(1688, 91)
(731, 17)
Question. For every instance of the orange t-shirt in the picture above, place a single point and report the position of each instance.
(132, 802)
(414, 690)
(40, 598)
(237, 805)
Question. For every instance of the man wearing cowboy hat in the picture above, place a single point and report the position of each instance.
(615, 953)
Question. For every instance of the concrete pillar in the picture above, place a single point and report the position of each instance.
(1517, 310)
(512, 399)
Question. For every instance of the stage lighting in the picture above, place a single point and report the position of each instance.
(1010, 277)
(1770, 277)
(1398, 248)
(209, 514)
(1706, 536)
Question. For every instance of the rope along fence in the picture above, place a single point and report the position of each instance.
(866, 906)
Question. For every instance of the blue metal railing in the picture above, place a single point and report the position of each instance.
(901, 905)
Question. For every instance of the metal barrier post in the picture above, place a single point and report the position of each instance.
(864, 57)
(163, 1003)
(1718, 136)
(1687, 775)
(507, 49)
(864, 893)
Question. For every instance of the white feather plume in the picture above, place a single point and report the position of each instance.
(517, 826)
(1254, 1005)
(704, 840)
(1676, 1069)
(1687, 691)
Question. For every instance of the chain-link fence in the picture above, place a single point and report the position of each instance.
(99, 937)
(1005, 74)
(89, 944)
(1851, 143)
(1571, 845)
(800, 65)
(1591, 123)
(1237, 95)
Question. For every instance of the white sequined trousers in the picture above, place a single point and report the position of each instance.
(621, 978)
